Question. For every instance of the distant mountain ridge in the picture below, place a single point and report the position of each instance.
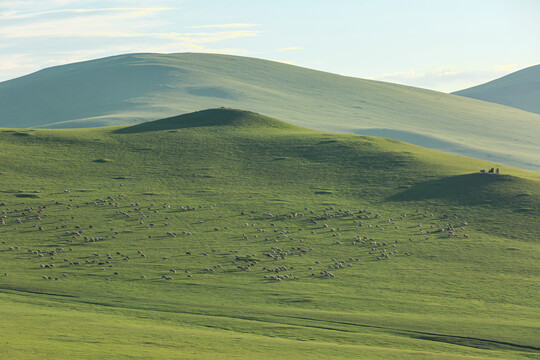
(520, 89)
(134, 88)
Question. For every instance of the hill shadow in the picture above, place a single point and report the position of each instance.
(412, 138)
(468, 189)
(211, 91)
(428, 141)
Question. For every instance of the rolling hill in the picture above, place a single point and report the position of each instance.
(520, 89)
(228, 234)
(129, 89)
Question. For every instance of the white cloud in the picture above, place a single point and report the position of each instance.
(198, 38)
(223, 26)
(13, 62)
(417, 74)
(109, 22)
(446, 79)
(29, 6)
(79, 22)
(13, 15)
(506, 68)
(13, 65)
(290, 48)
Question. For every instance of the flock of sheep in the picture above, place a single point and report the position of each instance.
(285, 247)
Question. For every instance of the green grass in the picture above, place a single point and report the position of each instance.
(132, 88)
(457, 297)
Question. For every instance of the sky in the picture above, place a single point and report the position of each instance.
(435, 44)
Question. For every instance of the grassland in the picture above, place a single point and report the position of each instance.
(132, 88)
(255, 193)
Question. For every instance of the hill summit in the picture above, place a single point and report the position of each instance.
(210, 117)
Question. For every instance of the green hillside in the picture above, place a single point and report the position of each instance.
(128, 89)
(520, 89)
(225, 234)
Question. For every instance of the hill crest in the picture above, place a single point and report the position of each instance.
(218, 117)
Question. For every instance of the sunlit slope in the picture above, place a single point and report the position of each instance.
(127, 89)
(520, 89)
(235, 187)
(228, 146)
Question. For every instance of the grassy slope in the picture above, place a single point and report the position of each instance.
(132, 88)
(451, 298)
(520, 89)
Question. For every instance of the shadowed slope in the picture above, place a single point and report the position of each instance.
(504, 191)
(520, 89)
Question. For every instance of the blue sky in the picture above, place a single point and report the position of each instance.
(436, 44)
